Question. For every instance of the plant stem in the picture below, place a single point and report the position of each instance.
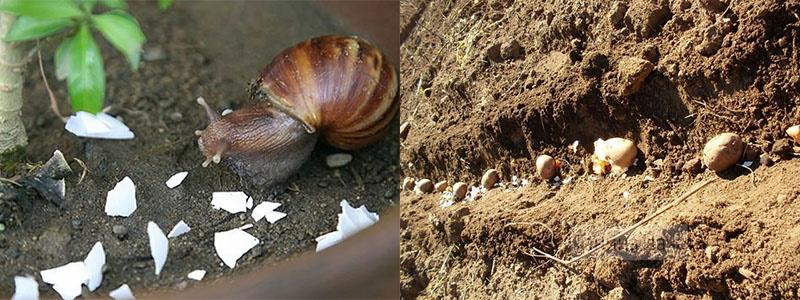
(12, 62)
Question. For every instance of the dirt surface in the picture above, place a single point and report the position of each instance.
(209, 49)
(508, 80)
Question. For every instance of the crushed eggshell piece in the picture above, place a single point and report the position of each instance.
(100, 126)
(25, 288)
(266, 210)
(232, 202)
(197, 274)
(232, 244)
(67, 279)
(122, 293)
(121, 201)
(351, 221)
(179, 229)
(94, 263)
(176, 179)
(159, 245)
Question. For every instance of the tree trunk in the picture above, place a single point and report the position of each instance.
(12, 62)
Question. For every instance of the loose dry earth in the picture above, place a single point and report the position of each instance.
(504, 81)
(194, 49)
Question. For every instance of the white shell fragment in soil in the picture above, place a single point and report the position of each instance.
(232, 202)
(338, 160)
(723, 151)
(232, 244)
(266, 209)
(179, 229)
(794, 132)
(121, 201)
(67, 279)
(94, 262)
(25, 288)
(351, 221)
(613, 155)
(176, 179)
(159, 245)
(197, 275)
(122, 293)
(100, 126)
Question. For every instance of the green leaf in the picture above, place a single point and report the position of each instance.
(118, 4)
(123, 32)
(164, 4)
(42, 9)
(62, 58)
(86, 80)
(28, 28)
(88, 5)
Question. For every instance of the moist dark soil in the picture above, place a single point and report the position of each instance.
(209, 49)
(508, 80)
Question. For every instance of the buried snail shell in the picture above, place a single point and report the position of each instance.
(340, 89)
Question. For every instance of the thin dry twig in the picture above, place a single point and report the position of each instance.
(626, 231)
(53, 100)
(85, 169)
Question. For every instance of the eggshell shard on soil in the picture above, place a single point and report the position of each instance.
(351, 221)
(100, 126)
(179, 229)
(614, 155)
(67, 279)
(197, 275)
(94, 263)
(266, 210)
(176, 179)
(159, 245)
(122, 293)
(232, 202)
(723, 151)
(338, 160)
(232, 244)
(25, 288)
(121, 201)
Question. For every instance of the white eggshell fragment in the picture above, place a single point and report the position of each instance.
(176, 179)
(159, 245)
(122, 293)
(94, 263)
(232, 244)
(121, 201)
(179, 229)
(25, 288)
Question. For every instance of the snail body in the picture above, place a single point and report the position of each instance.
(338, 89)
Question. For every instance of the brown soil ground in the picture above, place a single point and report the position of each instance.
(493, 84)
(212, 49)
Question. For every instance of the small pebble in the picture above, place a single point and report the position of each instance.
(490, 178)
(176, 116)
(408, 184)
(153, 53)
(338, 160)
(2, 227)
(120, 231)
(182, 285)
(424, 186)
(460, 190)
(441, 186)
(76, 224)
(388, 194)
(322, 184)
(765, 160)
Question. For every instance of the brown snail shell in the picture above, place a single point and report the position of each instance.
(338, 87)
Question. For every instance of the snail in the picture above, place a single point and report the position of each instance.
(337, 88)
